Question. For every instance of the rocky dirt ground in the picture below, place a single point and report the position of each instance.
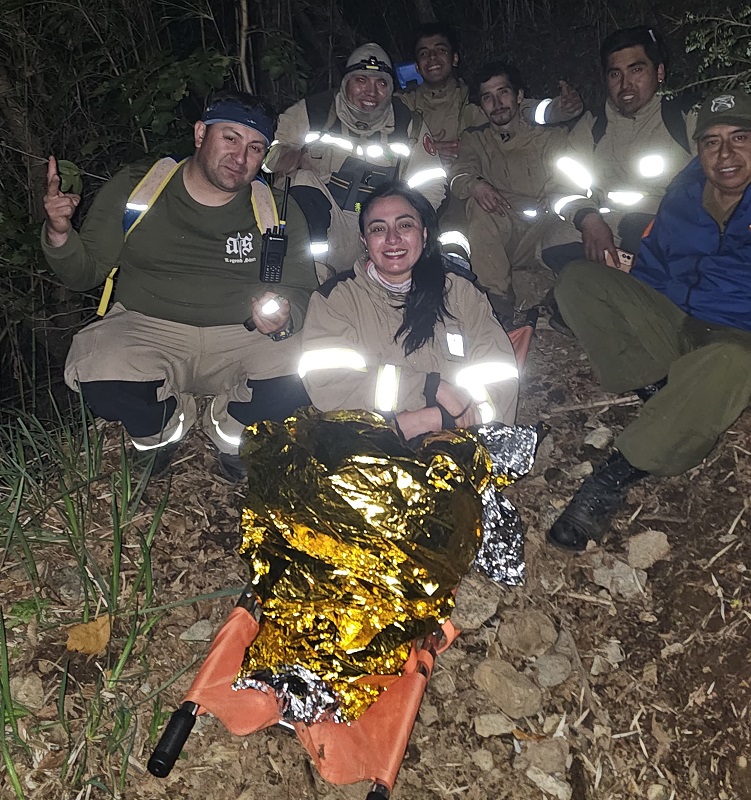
(621, 673)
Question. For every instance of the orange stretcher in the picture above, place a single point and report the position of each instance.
(370, 748)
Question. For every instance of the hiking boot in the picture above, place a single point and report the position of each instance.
(157, 458)
(231, 467)
(647, 392)
(588, 515)
(556, 321)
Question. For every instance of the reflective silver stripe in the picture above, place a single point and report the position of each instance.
(345, 144)
(319, 248)
(575, 172)
(564, 201)
(331, 358)
(477, 376)
(651, 166)
(374, 151)
(360, 151)
(426, 175)
(225, 437)
(387, 388)
(313, 136)
(176, 436)
(530, 212)
(400, 149)
(487, 412)
(540, 110)
(137, 206)
(604, 210)
(460, 175)
(457, 238)
(625, 198)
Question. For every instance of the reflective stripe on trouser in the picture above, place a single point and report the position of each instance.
(214, 362)
(635, 336)
(452, 223)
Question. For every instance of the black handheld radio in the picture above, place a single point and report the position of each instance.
(274, 246)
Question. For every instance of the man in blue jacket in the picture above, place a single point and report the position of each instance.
(677, 329)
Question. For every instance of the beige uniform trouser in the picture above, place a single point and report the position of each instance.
(192, 361)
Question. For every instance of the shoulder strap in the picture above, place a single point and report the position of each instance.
(319, 107)
(600, 126)
(404, 117)
(264, 205)
(146, 192)
(674, 118)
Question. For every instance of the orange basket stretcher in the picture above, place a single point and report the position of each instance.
(370, 748)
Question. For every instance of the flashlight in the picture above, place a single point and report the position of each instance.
(267, 309)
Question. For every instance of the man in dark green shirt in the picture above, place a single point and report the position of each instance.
(188, 279)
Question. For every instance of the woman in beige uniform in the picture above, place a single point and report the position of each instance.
(403, 335)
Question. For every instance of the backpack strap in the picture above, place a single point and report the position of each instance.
(264, 205)
(674, 113)
(600, 126)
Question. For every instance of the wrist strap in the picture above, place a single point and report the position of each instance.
(432, 379)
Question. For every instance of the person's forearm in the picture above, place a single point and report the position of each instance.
(415, 423)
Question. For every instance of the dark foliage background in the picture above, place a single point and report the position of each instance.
(104, 82)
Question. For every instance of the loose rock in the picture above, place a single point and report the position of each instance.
(27, 690)
(483, 759)
(645, 549)
(428, 713)
(550, 784)
(549, 756)
(487, 725)
(513, 693)
(476, 601)
(551, 670)
(617, 577)
(599, 438)
(530, 632)
(198, 632)
(657, 791)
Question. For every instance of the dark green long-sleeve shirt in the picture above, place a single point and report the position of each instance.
(184, 262)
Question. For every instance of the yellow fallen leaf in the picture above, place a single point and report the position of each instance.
(89, 637)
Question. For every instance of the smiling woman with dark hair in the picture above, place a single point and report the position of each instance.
(401, 335)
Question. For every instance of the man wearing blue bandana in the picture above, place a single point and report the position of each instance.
(187, 238)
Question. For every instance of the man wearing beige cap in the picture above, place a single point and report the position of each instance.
(677, 329)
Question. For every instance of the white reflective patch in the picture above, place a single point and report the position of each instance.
(399, 149)
(425, 175)
(487, 412)
(456, 237)
(225, 437)
(564, 201)
(374, 151)
(455, 343)
(319, 248)
(330, 358)
(176, 436)
(475, 378)
(575, 172)
(651, 166)
(625, 198)
(604, 210)
(137, 206)
(360, 151)
(530, 212)
(387, 388)
(312, 137)
(345, 144)
(540, 110)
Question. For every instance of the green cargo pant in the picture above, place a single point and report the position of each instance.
(636, 336)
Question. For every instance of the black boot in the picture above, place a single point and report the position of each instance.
(647, 392)
(592, 508)
(157, 459)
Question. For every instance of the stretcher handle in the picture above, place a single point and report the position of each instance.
(173, 740)
(378, 791)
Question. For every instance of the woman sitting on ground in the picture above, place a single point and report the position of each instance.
(403, 335)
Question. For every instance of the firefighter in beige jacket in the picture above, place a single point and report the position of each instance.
(359, 351)
(337, 147)
(505, 169)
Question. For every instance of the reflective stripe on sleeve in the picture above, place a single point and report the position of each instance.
(345, 144)
(476, 377)
(425, 176)
(330, 358)
(400, 149)
(564, 201)
(457, 238)
(625, 198)
(540, 110)
(387, 388)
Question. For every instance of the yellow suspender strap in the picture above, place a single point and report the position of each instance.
(264, 207)
(139, 202)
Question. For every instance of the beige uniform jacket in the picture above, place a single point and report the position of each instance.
(419, 163)
(521, 167)
(630, 147)
(351, 361)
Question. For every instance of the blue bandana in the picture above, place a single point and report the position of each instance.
(232, 111)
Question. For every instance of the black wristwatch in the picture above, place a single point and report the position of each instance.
(284, 333)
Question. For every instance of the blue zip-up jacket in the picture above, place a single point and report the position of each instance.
(686, 257)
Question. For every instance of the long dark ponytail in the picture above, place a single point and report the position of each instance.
(425, 303)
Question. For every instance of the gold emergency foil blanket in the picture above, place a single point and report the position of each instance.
(356, 542)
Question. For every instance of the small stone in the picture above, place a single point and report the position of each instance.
(600, 666)
(529, 632)
(550, 784)
(741, 762)
(649, 673)
(581, 470)
(613, 652)
(675, 649)
(483, 759)
(198, 632)
(428, 713)
(476, 601)
(549, 756)
(487, 725)
(599, 438)
(27, 690)
(442, 684)
(656, 791)
(647, 548)
(551, 670)
(512, 692)
(617, 577)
